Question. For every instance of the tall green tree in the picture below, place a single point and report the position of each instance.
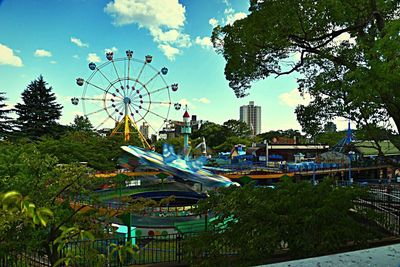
(82, 123)
(347, 55)
(214, 134)
(38, 113)
(237, 128)
(5, 120)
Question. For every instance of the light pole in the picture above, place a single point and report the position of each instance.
(266, 153)
(350, 178)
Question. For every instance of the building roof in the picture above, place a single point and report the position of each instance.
(369, 148)
(186, 115)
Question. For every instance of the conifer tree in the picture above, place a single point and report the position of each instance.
(5, 121)
(82, 123)
(39, 112)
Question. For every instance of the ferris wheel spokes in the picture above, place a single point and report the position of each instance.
(152, 92)
(112, 84)
(143, 118)
(140, 74)
(119, 79)
(103, 122)
(102, 89)
(99, 110)
(149, 111)
(158, 102)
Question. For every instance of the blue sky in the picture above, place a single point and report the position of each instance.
(58, 38)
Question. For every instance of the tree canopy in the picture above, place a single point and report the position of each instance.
(346, 53)
(38, 113)
(5, 120)
(82, 123)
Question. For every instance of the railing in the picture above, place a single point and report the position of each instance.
(171, 247)
(386, 203)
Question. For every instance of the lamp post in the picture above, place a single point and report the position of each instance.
(266, 153)
(350, 178)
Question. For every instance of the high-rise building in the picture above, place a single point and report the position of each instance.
(251, 115)
(144, 129)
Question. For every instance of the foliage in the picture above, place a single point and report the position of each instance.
(48, 184)
(237, 128)
(215, 134)
(5, 120)
(82, 123)
(100, 153)
(270, 135)
(123, 251)
(330, 127)
(38, 113)
(231, 141)
(330, 138)
(347, 55)
(255, 221)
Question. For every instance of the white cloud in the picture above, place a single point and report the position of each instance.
(293, 98)
(163, 18)
(53, 62)
(185, 102)
(169, 51)
(112, 49)
(213, 22)
(204, 42)
(231, 18)
(229, 10)
(171, 37)
(75, 56)
(344, 37)
(78, 42)
(93, 57)
(42, 53)
(7, 57)
(203, 100)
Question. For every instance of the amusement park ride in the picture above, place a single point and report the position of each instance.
(137, 94)
(127, 91)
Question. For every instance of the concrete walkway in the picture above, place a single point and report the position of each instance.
(381, 256)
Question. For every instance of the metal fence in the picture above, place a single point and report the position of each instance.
(171, 247)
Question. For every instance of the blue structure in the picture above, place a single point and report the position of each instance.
(340, 147)
(179, 166)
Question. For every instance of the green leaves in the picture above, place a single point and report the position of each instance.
(255, 221)
(13, 202)
(123, 251)
(346, 52)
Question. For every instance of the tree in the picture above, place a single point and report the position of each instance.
(100, 153)
(214, 134)
(5, 121)
(47, 183)
(38, 113)
(347, 55)
(270, 135)
(256, 221)
(82, 123)
(330, 127)
(237, 128)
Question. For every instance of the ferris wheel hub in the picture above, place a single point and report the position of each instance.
(127, 100)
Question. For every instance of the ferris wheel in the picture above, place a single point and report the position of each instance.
(127, 94)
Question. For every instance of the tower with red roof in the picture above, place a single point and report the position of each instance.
(186, 130)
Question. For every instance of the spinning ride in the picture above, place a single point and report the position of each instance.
(127, 94)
